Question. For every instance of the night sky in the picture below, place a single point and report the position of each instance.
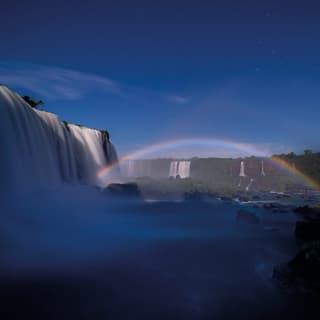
(149, 71)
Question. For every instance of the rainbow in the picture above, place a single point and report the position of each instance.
(245, 148)
(296, 172)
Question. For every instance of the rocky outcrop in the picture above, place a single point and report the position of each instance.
(124, 190)
(308, 213)
(302, 273)
(308, 230)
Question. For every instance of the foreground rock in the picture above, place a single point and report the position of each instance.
(308, 230)
(302, 273)
(124, 189)
(195, 196)
(308, 213)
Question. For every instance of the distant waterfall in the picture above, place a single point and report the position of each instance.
(184, 169)
(249, 185)
(262, 168)
(179, 168)
(41, 149)
(242, 174)
(174, 169)
(130, 169)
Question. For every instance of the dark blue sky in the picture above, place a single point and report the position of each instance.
(154, 70)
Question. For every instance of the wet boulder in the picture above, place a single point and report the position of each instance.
(226, 198)
(248, 216)
(269, 206)
(193, 196)
(244, 199)
(124, 189)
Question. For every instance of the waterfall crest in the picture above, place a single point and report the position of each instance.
(39, 148)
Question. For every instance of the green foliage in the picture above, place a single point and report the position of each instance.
(66, 124)
(32, 102)
(221, 175)
(105, 134)
(308, 163)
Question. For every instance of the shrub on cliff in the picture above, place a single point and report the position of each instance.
(32, 102)
(105, 134)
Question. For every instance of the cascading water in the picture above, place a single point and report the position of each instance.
(173, 171)
(249, 185)
(184, 169)
(242, 174)
(179, 168)
(41, 149)
(262, 168)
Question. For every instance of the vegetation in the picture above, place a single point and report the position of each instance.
(66, 124)
(105, 134)
(308, 163)
(221, 176)
(32, 102)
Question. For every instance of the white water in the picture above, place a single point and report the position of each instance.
(173, 171)
(136, 168)
(184, 169)
(242, 174)
(179, 168)
(38, 148)
(262, 168)
(249, 185)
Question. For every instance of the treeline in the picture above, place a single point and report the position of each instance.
(308, 162)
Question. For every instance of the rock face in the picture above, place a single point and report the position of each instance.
(303, 272)
(124, 189)
(308, 230)
(194, 196)
(308, 213)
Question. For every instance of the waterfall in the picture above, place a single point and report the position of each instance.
(249, 185)
(262, 168)
(130, 169)
(184, 169)
(173, 171)
(179, 168)
(242, 174)
(41, 149)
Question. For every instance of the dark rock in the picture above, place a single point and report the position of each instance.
(269, 205)
(225, 198)
(248, 216)
(308, 230)
(303, 272)
(243, 199)
(193, 196)
(308, 213)
(279, 210)
(124, 189)
(303, 210)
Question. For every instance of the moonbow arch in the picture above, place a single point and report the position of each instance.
(244, 149)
